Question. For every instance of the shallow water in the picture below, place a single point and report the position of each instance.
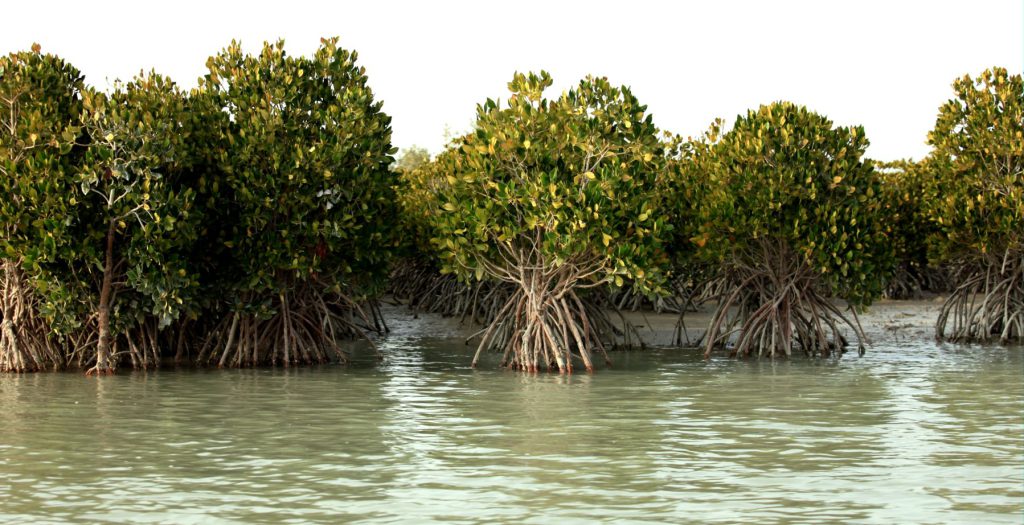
(910, 433)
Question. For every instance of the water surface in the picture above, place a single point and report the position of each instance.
(910, 433)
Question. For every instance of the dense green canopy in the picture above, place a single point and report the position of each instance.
(906, 186)
(96, 213)
(978, 164)
(306, 161)
(558, 182)
(309, 216)
(40, 100)
(784, 173)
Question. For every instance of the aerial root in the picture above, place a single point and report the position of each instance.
(26, 342)
(775, 306)
(988, 305)
(305, 326)
(423, 288)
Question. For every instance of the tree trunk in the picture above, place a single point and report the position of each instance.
(103, 345)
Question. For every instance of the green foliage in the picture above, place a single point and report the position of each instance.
(685, 187)
(82, 165)
(199, 163)
(305, 162)
(569, 181)
(418, 194)
(977, 193)
(976, 198)
(40, 98)
(40, 106)
(273, 184)
(786, 174)
(136, 177)
(906, 187)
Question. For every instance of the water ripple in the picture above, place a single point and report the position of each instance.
(909, 433)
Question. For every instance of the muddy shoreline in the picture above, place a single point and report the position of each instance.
(883, 321)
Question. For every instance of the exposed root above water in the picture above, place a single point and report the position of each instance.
(775, 307)
(544, 323)
(545, 331)
(302, 326)
(696, 291)
(137, 346)
(988, 305)
(424, 289)
(26, 343)
(911, 282)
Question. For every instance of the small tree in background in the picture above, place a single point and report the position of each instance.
(410, 159)
(977, 201)
(677, 204)
(416, 273)
(311, 227)
(419, 280)
(904, 186)
(553, 197)
(795, 216)
(695, 279)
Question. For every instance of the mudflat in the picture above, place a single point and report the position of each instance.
(884, 321)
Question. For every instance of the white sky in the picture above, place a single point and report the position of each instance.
(886, 65)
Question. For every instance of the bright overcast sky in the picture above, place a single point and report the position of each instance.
(886, 65)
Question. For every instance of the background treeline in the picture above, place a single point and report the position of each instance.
(256, 218)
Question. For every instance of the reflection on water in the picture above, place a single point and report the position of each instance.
(909, 433)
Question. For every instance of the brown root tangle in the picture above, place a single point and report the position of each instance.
(775, 306)
(988, 304)
(306, 325)
(26, 343)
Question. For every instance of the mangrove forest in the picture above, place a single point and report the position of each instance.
(262, 217)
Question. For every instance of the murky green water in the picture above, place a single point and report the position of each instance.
(910, 434)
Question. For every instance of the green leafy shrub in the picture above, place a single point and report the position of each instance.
(794, 216)
(905, 186)
(310, 225)
(40, 102)
(94, 214)
(553, 197)
(977, 203)
(417, 280)
(120, 269)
